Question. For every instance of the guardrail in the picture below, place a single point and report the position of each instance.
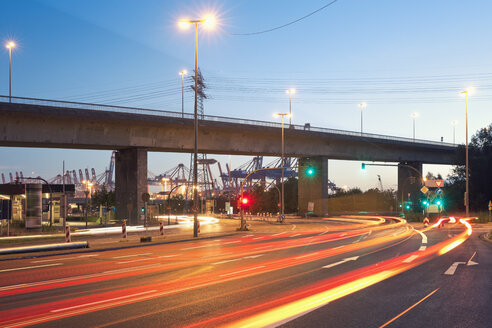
(155, 112)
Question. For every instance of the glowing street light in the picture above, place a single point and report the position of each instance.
(290, 92)
(467, 195)
(414, 116)
(87, 191)
(361, 106)
(10, 45)
(208, 22)
(282, 205)
(182, 74)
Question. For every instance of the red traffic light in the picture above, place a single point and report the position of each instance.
(244, 200)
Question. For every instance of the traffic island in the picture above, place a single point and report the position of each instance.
(42, 248)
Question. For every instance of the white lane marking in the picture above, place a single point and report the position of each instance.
(195, 247)
(343, 234)
(103, 301)
(424, 237)
(240, 271)
(422, 248)
(136, 260)
(64, 259)
(232, 242)
(451, 270)
(247, 236)
(217, 239)
(341, 262)
(297, 234)
(31, 267)
(293, 227)
(53, 260)
(280, 233)
(164, 256)
(471, 263)
(133, 255)
(262, 247)
(241, 258)
(256, 238)
(225, 261)
(410, 259)
(302, 256)
(72, 278)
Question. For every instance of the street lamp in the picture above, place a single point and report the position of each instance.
(10, 45)
(454, 123)
(282, 206)
(87, 191)
(414, 116)
(208, 22)
(467, 195)
(361, 106)
(182, 74)
(290, 92)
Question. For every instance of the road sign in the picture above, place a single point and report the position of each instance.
(145, 197)
(439, 191)
(490, 205)
(434, 183)
(424, 190)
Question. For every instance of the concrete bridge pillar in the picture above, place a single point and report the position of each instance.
(313, 188)
(409, 180)
(130, 183)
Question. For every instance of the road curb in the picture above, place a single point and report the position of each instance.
(41, 248)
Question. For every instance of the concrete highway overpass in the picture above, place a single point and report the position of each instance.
(28, 122)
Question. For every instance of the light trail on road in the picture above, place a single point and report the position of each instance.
(235, 261)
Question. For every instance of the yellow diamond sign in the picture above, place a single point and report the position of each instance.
(424, 189)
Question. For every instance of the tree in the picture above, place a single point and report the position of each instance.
(480, 173)
(104, 198)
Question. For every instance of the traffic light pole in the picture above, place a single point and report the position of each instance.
(243, 221)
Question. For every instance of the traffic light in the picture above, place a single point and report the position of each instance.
(245, 200)
(438, 203)
(425, 203)
(363, 166)
(142, 209)
(310, 171)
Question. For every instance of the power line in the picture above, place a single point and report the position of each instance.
(285, 25)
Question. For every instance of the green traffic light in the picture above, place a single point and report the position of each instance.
(310, 171)
(363, 166)
(438, 202)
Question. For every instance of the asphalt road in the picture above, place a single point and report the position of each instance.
(332, 273)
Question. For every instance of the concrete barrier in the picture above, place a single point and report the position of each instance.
(41, 248)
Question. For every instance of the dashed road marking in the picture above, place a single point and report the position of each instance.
(133, 255)
(410, 259)
(31, 267)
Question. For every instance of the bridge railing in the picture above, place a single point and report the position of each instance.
(223, 119)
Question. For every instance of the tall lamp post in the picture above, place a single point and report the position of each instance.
(361, 106)
(290, 92)
(282, 205)
(87, 191)
(185, 23)
(182, 74)
(414, 116)
(467, 195)
(454, 123)
(10, 45)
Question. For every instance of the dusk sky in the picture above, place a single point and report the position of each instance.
(399, 57)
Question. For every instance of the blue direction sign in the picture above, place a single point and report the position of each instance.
(439, 191)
